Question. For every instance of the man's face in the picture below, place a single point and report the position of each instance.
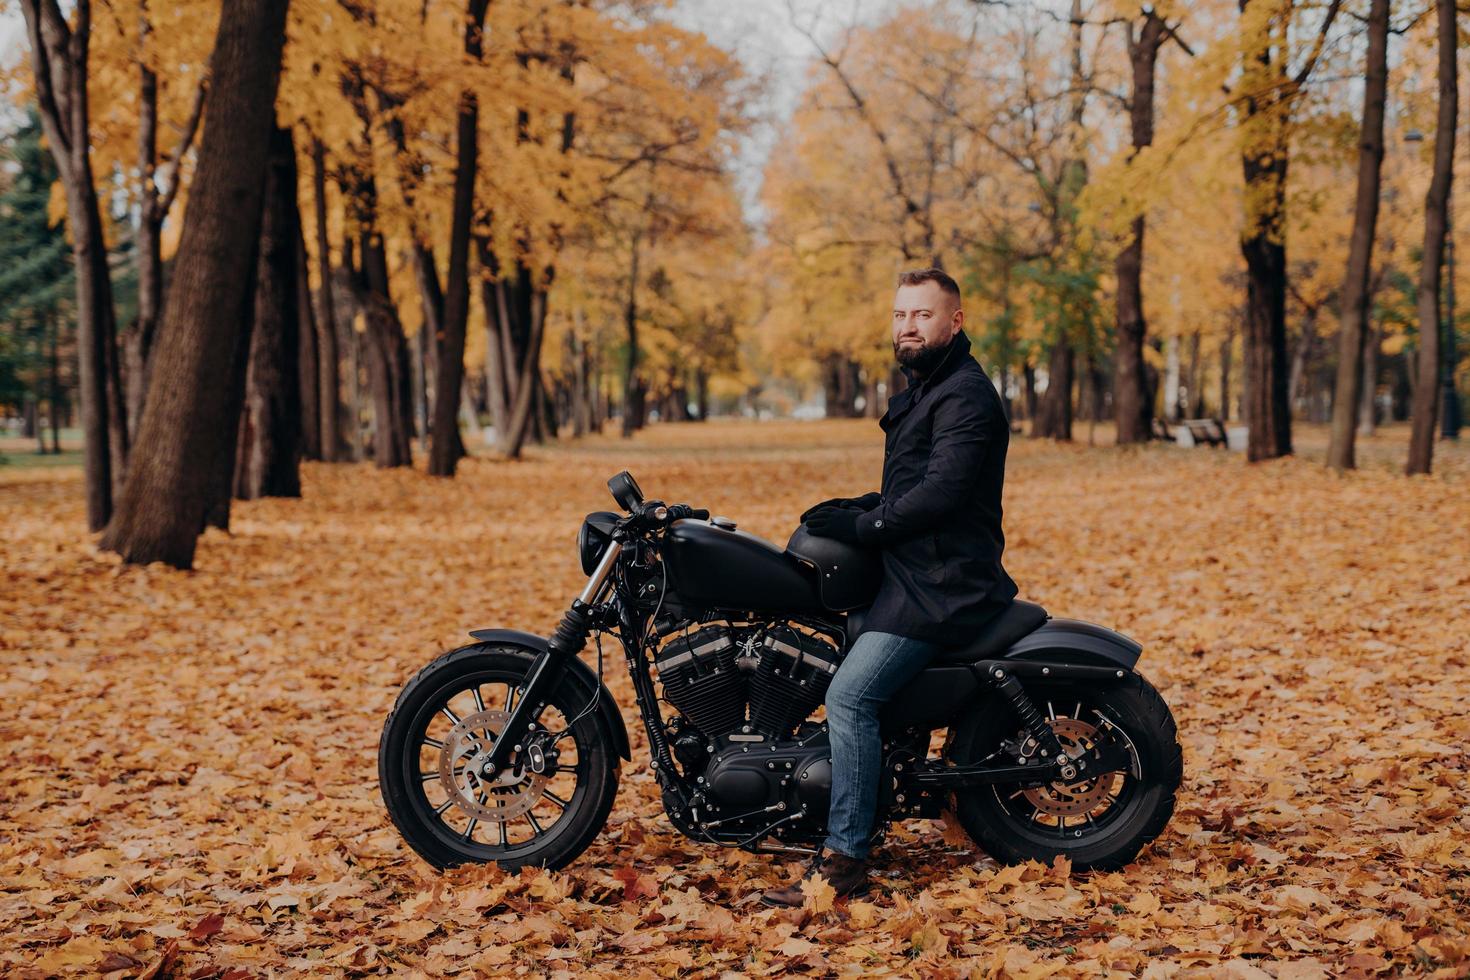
(925, 319)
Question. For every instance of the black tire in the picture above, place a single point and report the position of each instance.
(446, 829)
(1103, 837)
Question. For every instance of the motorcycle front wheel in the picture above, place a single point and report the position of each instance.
(430, 768)
(1100, 823)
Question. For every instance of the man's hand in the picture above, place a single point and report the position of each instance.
(866, 502)
(832, 502)
(834, 522)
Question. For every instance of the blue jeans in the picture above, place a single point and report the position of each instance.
(876, 667)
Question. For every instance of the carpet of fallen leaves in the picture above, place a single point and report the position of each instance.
(187, 760)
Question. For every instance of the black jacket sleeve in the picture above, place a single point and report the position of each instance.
(962, 427)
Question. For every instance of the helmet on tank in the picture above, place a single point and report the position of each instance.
(848, 575)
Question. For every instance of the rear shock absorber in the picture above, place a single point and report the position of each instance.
(1030, 715)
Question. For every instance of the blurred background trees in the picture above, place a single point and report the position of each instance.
(486, 224)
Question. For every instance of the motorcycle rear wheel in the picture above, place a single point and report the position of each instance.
(436, 794)
(1100, 823)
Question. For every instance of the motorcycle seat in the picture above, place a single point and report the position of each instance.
(1019, 619)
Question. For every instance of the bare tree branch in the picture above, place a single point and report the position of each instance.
(175, 162)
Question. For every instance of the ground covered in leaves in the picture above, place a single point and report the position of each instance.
(187, 760)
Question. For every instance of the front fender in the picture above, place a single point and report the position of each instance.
(607, 706)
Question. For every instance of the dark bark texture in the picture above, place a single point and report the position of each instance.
(329, 361)
(1355, 287)
(1132, 408)
(1269, 90)
(309, 372)
(1054, 414)
(268, 457)
(59, 54)
(387, 348)
(1436, 211)
(184, 422)
(445, 447)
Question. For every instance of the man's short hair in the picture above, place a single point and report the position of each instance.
(945, 282)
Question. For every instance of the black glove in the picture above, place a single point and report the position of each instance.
(834, 522)
(866, 502)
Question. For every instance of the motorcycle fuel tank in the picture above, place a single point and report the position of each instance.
(731, 569)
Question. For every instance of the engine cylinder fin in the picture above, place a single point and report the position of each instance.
(701, 680)
(791, 680)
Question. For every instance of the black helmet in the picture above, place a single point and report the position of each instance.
(847, 574)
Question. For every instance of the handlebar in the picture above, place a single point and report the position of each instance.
(655, 513)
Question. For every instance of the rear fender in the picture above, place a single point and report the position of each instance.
(1071, 641)
(532, 644)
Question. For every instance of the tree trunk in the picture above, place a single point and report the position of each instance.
(632, 383)
(329, 359)
(57, 400)
(1029, 375)
(515, 313)
(519, 418)
(163, 506)
(419, 356)
(138, 341)
(349, 339)
(269, 454)
(154, 205)
(1196, 378)
(309, 370)
(1227, 354)
(1296, 376)
(1341, 446)
(1054, 415)
(1266, 408)
(117, 414)
(59, 54)
(445, 447)
(387, 349)
(219, 460)
(1264, 156)
(1436, 212)
(496, 396)
(577, 355)
(546, 411)
(30, 422)
(1368, 397)
(1131, 406)
(1130, 397)
(1171, 379)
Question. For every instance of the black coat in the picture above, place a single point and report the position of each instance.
(939, 520)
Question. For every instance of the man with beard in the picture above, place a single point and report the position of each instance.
(937, 521)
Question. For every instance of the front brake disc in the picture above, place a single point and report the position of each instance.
(511, 793)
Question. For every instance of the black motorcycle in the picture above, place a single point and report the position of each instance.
(507, 750)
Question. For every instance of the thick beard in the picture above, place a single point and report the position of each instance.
(921, 360)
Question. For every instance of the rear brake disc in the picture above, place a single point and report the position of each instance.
(1061, 799)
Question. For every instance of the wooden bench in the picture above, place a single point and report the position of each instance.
(1195, 432)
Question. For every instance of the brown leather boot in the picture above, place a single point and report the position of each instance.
(846, 875)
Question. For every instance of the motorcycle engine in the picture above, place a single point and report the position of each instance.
(743, 694)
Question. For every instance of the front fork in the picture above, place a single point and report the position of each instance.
(547, 669)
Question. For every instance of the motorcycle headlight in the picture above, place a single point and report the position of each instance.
(594, 537)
